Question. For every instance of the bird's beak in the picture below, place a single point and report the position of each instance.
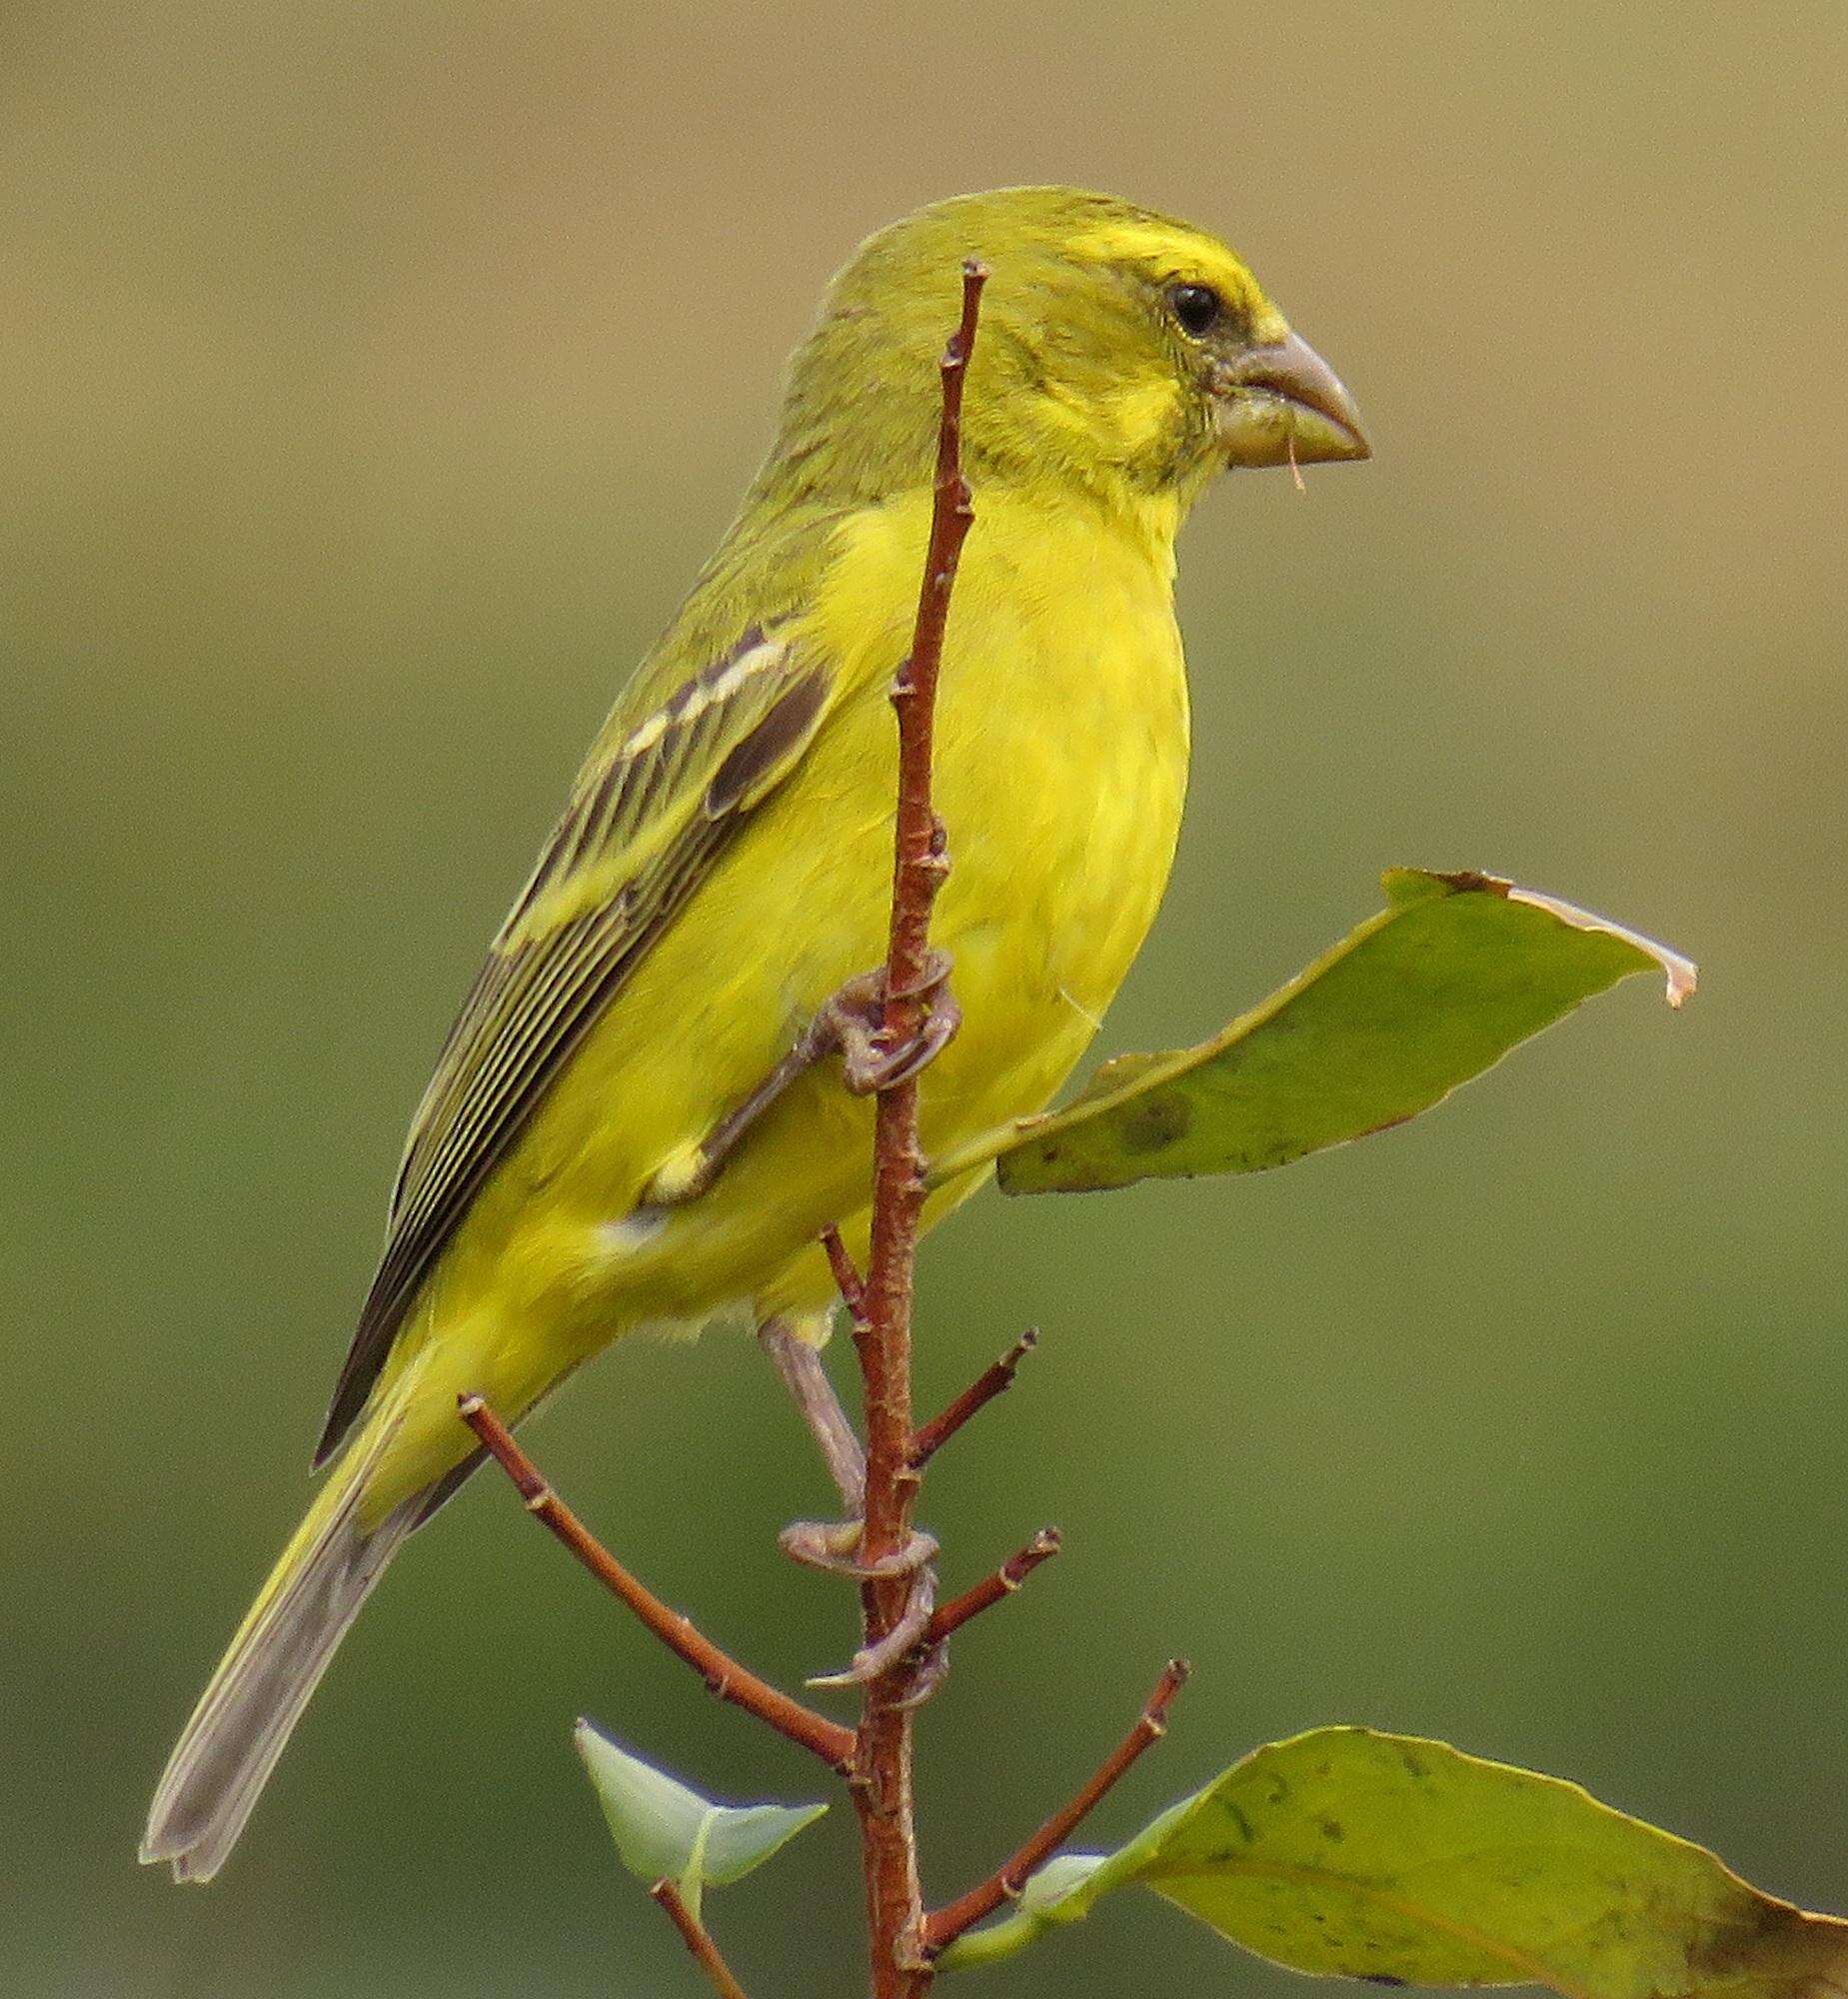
(1281, 403)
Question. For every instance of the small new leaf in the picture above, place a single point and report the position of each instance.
(666, 1831)
(1451, 975)
(1349, 1853)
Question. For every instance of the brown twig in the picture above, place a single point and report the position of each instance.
(994, 1381)
(847, 1280)
(903, 1635)
(952, 1616)
(883, 1333)
(828, 1740)
(693, 1934)
(1011, 1876)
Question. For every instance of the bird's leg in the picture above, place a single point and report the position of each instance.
(799, 1368)
(850, 1025)
(833, 1545)
(690, 1171)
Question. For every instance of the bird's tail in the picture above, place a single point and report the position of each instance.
(246, 1714)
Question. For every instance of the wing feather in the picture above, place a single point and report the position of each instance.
(645, 822)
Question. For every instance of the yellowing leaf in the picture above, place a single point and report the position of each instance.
(1351, 1853)
(1451, 975)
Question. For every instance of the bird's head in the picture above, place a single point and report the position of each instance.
(1120, 353)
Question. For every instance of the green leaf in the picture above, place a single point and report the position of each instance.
(1451, 975)
(663, 1830)
(1350, 1853)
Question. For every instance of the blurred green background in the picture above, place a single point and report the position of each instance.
(375, 377)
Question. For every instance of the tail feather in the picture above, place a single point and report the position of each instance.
(273, 1663)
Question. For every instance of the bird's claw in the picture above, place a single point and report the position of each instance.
(874, 1661)
(832, 1546)
(854, 1024)
(928, 1671)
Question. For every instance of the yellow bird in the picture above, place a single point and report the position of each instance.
(598, 1152)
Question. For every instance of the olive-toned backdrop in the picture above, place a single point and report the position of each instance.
(372, 378)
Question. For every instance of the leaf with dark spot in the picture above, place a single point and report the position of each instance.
(1449, 1871)
(1454, 973)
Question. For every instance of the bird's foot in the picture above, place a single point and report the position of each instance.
(852, 1024)
(835, 1548)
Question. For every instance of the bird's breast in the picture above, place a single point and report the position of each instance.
(1060, 775)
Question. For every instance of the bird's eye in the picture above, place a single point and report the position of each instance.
(1196, 307)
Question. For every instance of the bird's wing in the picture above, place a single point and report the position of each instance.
(649, 816)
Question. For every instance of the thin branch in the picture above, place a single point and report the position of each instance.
(847, 1280)
(994, 1381)
(731, 1682)
(1011, 1876)
(882, 1791)
(952, 1616)
(693, 1934)
(918, 863)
